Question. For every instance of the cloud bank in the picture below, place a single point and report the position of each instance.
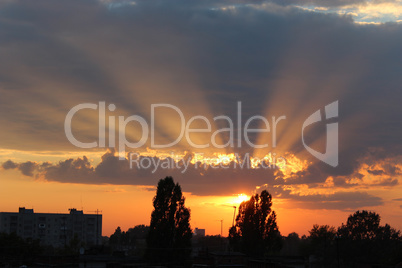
(307, 188)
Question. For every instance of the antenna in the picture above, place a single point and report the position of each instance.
(97, 211)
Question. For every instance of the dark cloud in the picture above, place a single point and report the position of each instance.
(392, 170)
(9, 165)
(276, 59)
(386, 182)
(200, 180)
(320, 3)
(195, 178)
(376, 172)
(339, 200)
(27, 168)
(249, 55)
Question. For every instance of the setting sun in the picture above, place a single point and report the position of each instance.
(241, 198)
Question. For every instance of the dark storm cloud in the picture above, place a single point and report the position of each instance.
(195, 179)
(277, 60)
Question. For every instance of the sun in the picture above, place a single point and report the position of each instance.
(241, 198)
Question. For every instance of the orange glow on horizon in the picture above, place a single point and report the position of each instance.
(128, 205)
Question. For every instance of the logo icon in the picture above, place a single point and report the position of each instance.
(331, 152)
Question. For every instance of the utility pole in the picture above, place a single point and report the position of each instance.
(221, 226)
(221, 239)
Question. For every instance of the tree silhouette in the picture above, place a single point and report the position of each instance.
(256, 232)
(169, 237)
(322, 244)
(116, 238)
(361, 225)
(321, 236)
(364, 239)
(130, 240)
(291, 245)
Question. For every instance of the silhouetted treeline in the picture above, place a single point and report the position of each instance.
(131, 242)
(360, 241)
(210, 243)
(15, 251)
(363, 239)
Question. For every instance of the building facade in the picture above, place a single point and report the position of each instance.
(199, 232)
(53, 229)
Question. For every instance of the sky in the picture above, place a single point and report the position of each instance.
(248, 74)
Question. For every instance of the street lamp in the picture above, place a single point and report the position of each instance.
(234, 213)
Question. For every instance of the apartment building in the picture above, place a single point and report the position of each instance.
(53, 228)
